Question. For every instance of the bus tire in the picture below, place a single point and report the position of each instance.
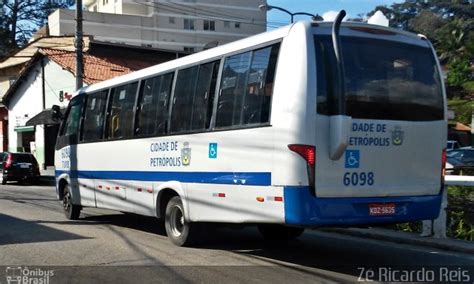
(71, 211)
(179, 231)
(279, 232)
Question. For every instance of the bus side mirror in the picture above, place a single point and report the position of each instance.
(56, 114)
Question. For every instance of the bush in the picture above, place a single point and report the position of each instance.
(460, 215)
(462, 109)
(468, 86)
(459, 72)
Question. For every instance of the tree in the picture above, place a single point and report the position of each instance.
(20, 19)
(5, 45)
(400, 14)
(459, 73)
(454, 40)
(426, 23)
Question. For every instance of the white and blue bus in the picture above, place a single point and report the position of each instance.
(313, 124)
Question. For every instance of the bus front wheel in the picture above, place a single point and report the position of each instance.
(71, 211)
(279, 232)
(180, 231)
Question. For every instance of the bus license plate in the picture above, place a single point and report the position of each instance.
(378, 209)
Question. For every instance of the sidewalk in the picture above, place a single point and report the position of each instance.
(406, 238)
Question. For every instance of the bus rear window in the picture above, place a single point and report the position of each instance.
(383, 79)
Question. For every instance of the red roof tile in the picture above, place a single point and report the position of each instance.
(96, 69)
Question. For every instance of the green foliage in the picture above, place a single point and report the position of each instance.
(412, 227)
(469, 86)
(462, 108)
(461, 212)
(426, 23)
(452, 40)
(460, 215)
(459, 72)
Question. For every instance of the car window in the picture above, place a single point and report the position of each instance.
(21, 158)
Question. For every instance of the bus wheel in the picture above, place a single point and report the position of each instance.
(179, 231)
(71, 211)
(279, 232)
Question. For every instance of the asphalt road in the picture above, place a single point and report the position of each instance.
(108, 246)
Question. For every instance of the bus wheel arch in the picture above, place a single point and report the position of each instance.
(162, 200)
(179, 229)
(71, 210)
(62, 183)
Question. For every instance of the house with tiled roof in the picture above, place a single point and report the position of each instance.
(47, 78)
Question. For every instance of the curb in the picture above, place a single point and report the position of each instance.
(407, 238)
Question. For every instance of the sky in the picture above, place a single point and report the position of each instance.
(321, 7)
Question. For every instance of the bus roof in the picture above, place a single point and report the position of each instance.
(215, 52)
(218, 51)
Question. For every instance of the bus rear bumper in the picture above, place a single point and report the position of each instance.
(304, 209)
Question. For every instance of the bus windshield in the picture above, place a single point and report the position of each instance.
(383, 79)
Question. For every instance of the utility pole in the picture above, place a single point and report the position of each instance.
(79, 46)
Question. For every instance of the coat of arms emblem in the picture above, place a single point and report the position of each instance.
(397, 136)
(186, 154)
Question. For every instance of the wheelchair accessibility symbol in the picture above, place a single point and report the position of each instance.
(352, 159)
(212, 150)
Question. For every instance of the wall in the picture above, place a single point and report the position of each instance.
(8, 74)
(27, 101)
(156, 30)
(57, 79)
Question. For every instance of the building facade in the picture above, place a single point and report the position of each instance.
(48, 79)
(182, 25)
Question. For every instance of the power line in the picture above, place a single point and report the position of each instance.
(186, 10)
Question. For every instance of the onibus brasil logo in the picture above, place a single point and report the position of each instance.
(25, 275)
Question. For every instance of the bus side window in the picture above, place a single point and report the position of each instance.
(325, 76)
(246, 88)
(70, 126)
(194, 97)
(120, 118)
(182, 105)
(233, 82)
(152, 115)
(94, 116)
(204, 96)
(256, 107)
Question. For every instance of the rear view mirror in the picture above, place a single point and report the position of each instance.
(56, 114)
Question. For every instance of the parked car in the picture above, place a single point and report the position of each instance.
(18, 167)
(461, 161)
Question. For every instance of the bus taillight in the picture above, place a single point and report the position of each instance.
(308, 153)
(8, 162)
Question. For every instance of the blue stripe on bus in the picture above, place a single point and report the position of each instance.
(303, 208)
(238, 178)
